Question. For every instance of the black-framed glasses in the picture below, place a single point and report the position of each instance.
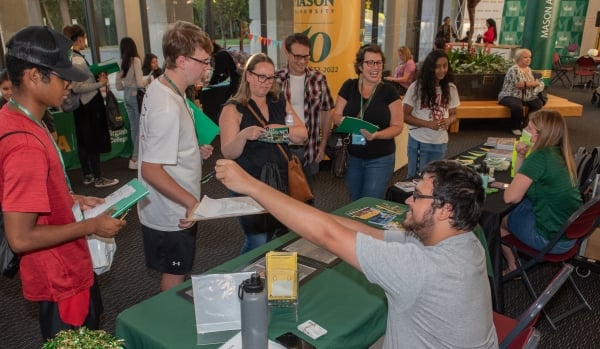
(263, 78)
(371, 63)
(67, 81)
(417, 196)
(207, 61)
(300, 57)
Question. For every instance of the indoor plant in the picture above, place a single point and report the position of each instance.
(84, 338)
(478, 73)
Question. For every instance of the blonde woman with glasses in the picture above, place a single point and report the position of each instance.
(258, 106)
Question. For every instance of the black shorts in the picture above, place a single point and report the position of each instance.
(170, 252)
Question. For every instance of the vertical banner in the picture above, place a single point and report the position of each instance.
(333, 27)
(539, 34)
(571, 21)
(512, 23)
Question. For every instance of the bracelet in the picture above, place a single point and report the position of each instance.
(505, 185)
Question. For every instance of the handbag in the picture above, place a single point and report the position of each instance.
(298, 187)
(102, 251)
(141, 92)
(71, 102)
(113, 113)
(337, 150)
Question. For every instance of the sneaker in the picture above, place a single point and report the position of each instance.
(105, 182)
(88, 179)
(516, 132)
(133, 165)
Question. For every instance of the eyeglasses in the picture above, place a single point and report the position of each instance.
(372, 63)
(207, 61)
(300, 57)
(263, 78)
(417, 196)
(67, 81)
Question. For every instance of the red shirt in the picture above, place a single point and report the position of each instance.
(489, 36)
(32, 180)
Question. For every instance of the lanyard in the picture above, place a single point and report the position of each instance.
(42, 125)
(362, 110)
(181, 95)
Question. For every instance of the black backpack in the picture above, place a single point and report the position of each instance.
(588, 166)
(9, 261)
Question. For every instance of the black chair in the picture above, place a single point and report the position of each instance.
(520, 333)
(578, 227)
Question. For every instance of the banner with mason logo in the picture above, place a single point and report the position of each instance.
(334, 31)
(567, 28)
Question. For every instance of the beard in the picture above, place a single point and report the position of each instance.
(419, 229)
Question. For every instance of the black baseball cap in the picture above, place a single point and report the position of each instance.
(47, 48)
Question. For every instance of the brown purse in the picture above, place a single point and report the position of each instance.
(298, 187)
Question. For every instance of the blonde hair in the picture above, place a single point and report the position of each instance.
(405, 51)
(519, 54)
(242, 95)
(552, 131)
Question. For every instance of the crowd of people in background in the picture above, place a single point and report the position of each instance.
(261, 99)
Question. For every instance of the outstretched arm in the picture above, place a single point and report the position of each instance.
(336, 234)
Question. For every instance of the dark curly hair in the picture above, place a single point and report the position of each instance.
(360, 55)
(426, 84)
(459, 186)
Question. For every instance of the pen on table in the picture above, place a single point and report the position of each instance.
(208, 177)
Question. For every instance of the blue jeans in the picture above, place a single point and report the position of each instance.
(253, 239)
(521, 223)
(369, 177)
(420, 154)
(131, 106)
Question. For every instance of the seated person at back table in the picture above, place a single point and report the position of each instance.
(544, 187)
(432, 274)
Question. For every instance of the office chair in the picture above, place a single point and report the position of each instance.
(519, 333)
(578, 227)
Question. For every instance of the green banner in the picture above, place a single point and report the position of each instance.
(512, 22)
(67, 141)
(539, 34)
(569, 31)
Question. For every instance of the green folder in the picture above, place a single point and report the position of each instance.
(206, 129)
(109, 66)
(121, 199)
(354, 125)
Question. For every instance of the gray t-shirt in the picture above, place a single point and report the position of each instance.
(438, 296)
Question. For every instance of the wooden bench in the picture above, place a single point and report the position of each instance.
(493, 110)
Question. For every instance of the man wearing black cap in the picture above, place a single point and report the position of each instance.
(42, 218)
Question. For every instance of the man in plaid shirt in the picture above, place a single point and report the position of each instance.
(307, 91)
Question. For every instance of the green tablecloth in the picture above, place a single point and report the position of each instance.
(340, 299)
(67, 141)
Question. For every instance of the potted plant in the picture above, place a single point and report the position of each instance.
(84, 338)
(478, 73)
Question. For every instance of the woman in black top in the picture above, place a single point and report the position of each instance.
(371, 155)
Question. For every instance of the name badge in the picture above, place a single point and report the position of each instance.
(358, 139)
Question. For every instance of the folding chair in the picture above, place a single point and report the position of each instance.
(585, 68)
(520, 333)
(578, 227)
(560, 70)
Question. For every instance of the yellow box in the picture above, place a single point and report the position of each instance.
(282, 276)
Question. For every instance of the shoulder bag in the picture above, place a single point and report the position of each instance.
(113, 114)
(298, 187)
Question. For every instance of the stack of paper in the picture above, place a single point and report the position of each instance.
(505, 143)
(121, 199)
(499, 154)
(209, 208)
(354, 125)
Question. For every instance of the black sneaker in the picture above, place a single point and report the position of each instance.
(103, 182)
(88, 179)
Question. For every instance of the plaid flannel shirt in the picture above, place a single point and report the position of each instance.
(317, 98)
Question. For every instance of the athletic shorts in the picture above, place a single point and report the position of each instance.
(170, 252)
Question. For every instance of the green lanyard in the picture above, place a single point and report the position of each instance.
(182, 97)
(362, 110)
(42, 125)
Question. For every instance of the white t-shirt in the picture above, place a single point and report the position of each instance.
(297, 95)
(167, 137)
(424, 134)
